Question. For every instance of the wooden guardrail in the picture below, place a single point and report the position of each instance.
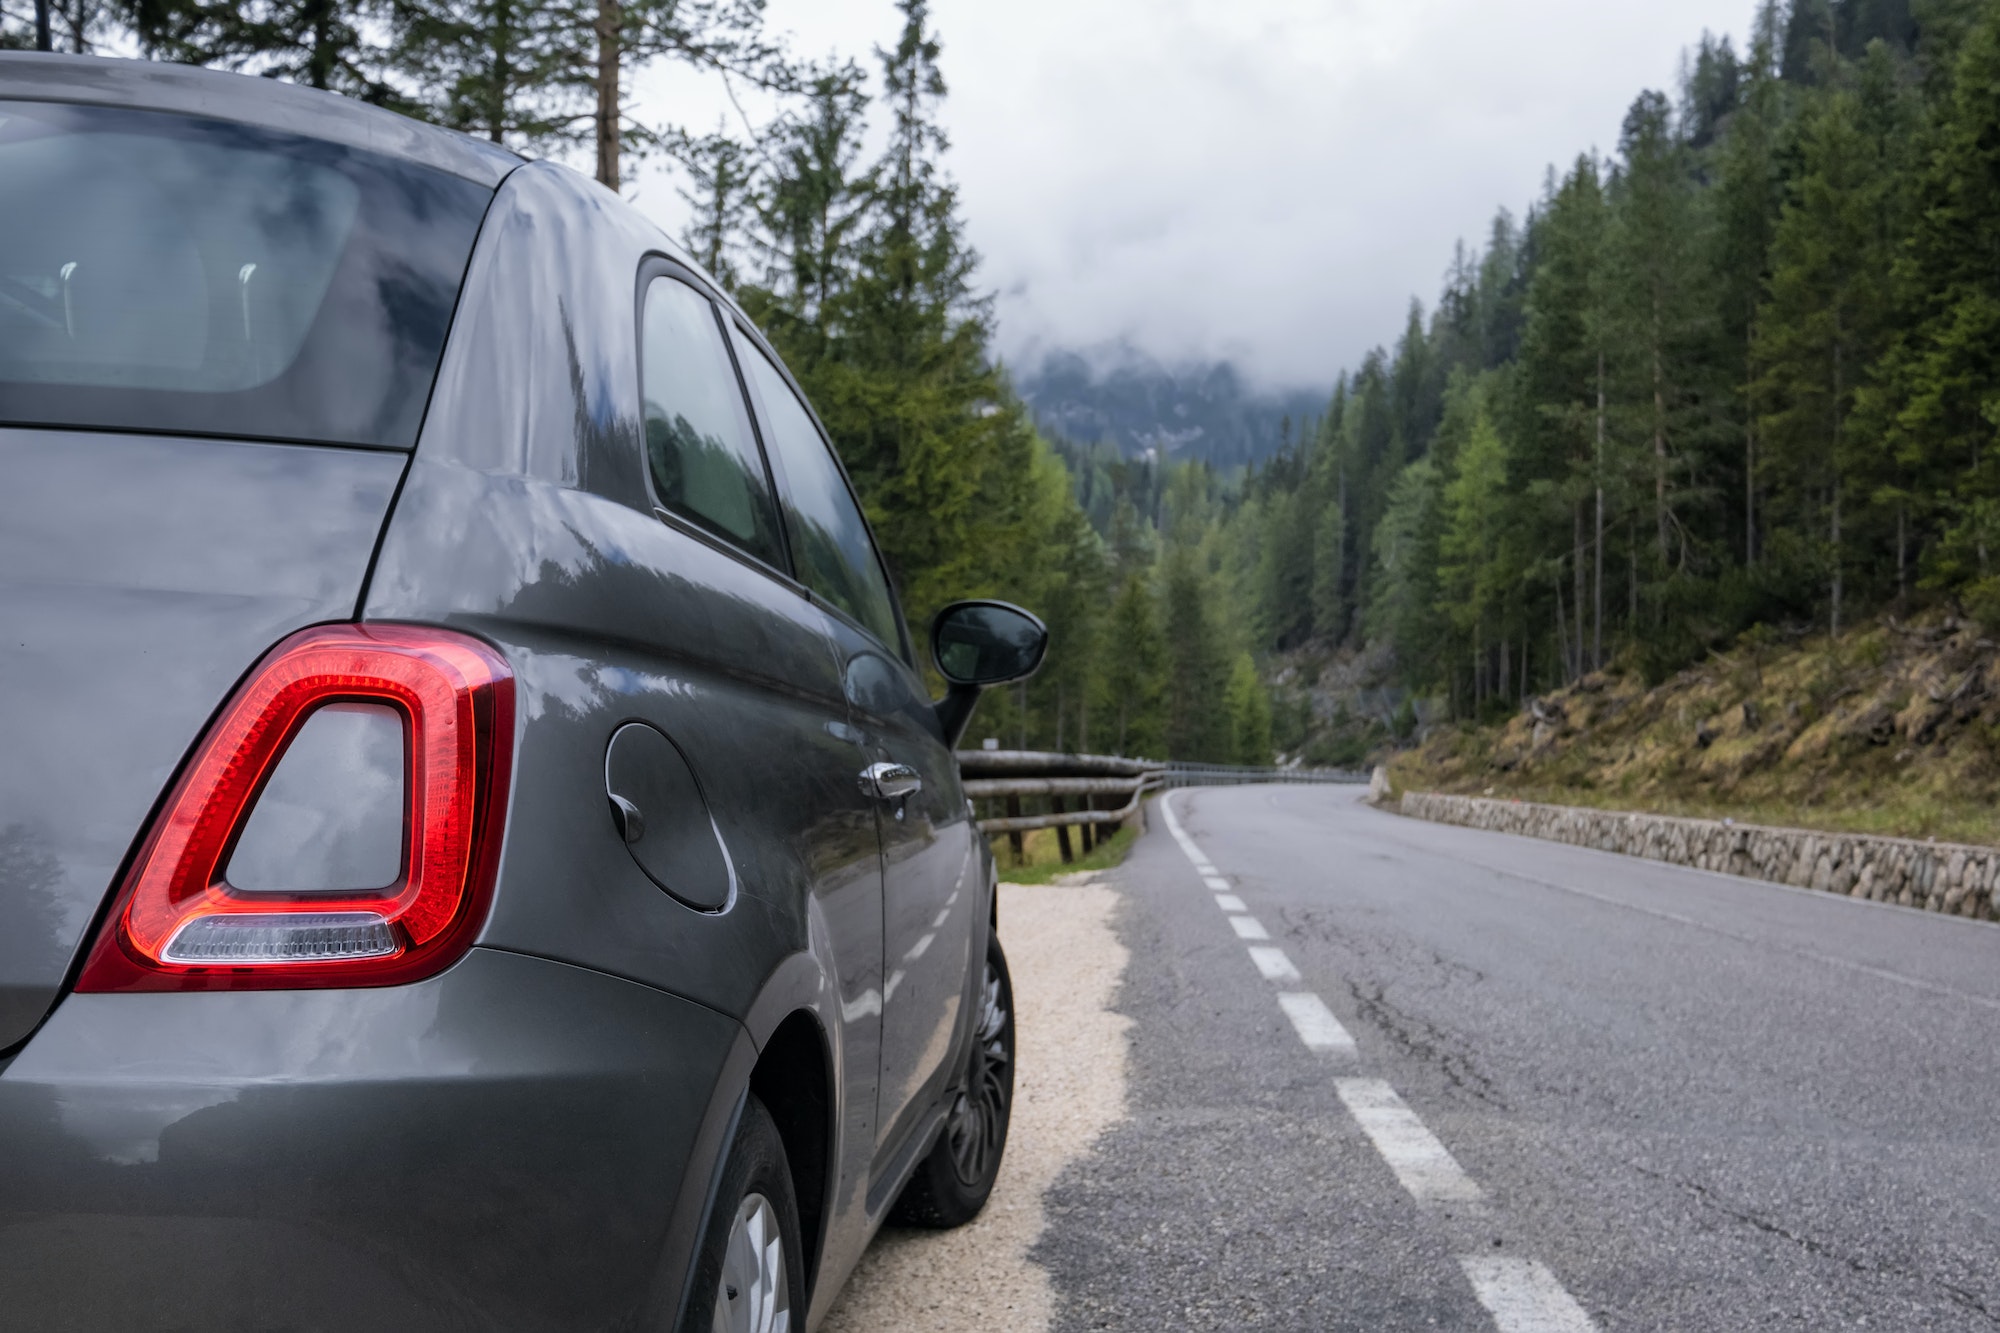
(1092, 792)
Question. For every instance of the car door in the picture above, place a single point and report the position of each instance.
(784, 761)
(931, 909)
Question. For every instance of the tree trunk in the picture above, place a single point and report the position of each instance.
(1562, 635)
(1833, 618)
(610, 22)
(501, 42)
(1597, 619)
(1659, 438)
(1749, 484)
(1632, 578)
(1573, 661)
(1902, 555)
(1478, 673)
(319, 60)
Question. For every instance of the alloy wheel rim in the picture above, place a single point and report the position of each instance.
(978, 1124)
(755, 1296)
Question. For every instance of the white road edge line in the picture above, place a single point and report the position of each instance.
(1217, 883)
(1271, 961)
(1229, 902)
(1181, 837)
(1421, 1163)
(1523, 1296)
(1248, 928)
(1315, 1023)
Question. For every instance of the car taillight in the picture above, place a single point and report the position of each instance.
(178, 922)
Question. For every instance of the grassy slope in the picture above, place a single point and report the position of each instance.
(1891, 729)
(1043, 859)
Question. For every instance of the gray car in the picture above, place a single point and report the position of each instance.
(476, 848)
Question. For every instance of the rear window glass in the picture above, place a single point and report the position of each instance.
(165, 272)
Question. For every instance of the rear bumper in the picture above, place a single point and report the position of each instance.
(501, 1146)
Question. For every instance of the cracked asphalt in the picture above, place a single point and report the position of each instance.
(1702, 1103)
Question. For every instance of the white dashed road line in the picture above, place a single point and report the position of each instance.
(1271, 961)
(1521, 1295)
(1248, 928)
(1427, 1170)
(1315, 1023)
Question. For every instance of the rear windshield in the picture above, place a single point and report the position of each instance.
(170, 273)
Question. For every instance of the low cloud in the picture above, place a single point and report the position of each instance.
(1267, 180)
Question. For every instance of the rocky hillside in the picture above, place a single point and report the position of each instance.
(1340, 708)
(1893, 728)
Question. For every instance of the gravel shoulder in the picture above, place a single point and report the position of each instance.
(1070, 1087)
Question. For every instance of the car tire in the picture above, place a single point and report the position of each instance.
(956, 1177)
(751, 1276)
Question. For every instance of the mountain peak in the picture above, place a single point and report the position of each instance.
(1203, 410)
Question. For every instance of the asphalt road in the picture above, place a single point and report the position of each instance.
(1540, 1088)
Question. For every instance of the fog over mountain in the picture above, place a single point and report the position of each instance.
(1206, 409)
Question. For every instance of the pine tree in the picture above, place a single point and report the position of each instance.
(1197, 726)
(328, 44)
(812, 206)
(1134, 673)
(482, 66)
(1559, 420)
(1657, 309)
(919, 412)
(723, 173)
(601, 44)
(1940, 382)
(1403, 607)
(1474, 582)
(1827, 317)
(1748, 192)
(1248, 706)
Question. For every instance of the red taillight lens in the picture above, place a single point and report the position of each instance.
(178, 924)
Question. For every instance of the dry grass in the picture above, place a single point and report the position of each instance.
(1891, 729)
(1041, 858)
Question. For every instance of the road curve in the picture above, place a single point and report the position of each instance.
(1393, 1075)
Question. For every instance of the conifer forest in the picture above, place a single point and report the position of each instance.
(1734, 373)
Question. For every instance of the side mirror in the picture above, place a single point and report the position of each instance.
(987, 643)
(977, 644)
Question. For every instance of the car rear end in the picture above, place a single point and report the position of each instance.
(254, 1071)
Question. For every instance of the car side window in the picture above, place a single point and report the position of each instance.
(699, 447)
(830, 541)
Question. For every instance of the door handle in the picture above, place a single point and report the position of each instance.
(890, 782)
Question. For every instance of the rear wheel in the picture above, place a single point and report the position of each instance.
(953, 1182)
(751, 1276)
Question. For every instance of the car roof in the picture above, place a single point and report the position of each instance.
(159, 86)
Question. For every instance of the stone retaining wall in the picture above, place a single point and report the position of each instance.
(1936, 876)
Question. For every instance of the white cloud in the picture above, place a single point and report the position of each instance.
(1266, 179)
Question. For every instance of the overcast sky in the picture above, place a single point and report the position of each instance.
(1267, 180)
